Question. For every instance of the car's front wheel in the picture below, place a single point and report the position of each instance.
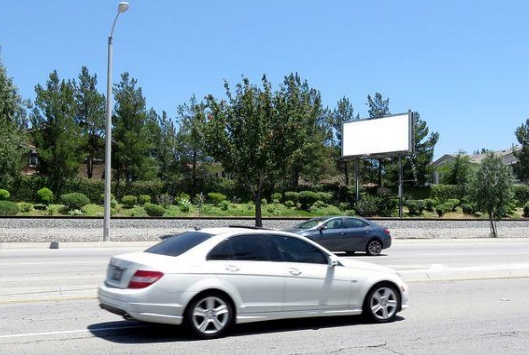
(374, 247)
(209, 315)
(382, 303)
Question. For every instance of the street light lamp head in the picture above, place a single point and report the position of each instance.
(123, 6)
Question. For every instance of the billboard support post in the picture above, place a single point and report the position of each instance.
(357, 178)
(400, 186)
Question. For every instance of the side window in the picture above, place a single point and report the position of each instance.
(221, 252)
(299, 251)
(334, 224)
(355, 223)
(254, 247)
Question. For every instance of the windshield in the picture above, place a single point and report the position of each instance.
(311, 223)
(179, 243)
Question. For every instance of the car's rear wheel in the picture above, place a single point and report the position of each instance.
(382, 303)
(374, 247)
(209, 315)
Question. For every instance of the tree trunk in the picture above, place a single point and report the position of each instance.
(258, 212)
(493, 228)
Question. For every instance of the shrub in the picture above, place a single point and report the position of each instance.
(224, 205)
(292, 196)
(143, 199)
(442, 209)
(467, 208)
(521, 193)
(216, 198)
(129, 201)
(4, 195)
(165, 200)
(184, 205)
(452, 204)
(26, 207)
(430, 204)
(154, 210)
(40, 207)
(102, 198)
(8, 208)
(45, 196)
(74, 201)
(277, 197)
(526, 210)
(368, 205)
(307, 199)
(415, 207)
(325, 197)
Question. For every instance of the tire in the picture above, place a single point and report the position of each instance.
(382, 303)
(209, 315)
(373, 247)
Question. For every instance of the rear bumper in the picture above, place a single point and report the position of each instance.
(131, 304)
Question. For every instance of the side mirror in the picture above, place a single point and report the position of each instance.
(333, 261)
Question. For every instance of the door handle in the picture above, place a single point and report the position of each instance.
(232, 268)
(295, 272)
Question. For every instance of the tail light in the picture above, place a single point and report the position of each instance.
(387, 231)
(144, 278)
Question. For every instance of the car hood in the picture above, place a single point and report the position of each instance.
(362, 265)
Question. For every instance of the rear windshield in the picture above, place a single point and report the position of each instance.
(179, 243)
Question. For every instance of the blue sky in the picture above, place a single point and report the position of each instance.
(463, 65)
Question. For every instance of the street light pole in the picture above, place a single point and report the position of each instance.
(122, 7)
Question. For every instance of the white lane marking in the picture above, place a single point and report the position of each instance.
(58, 263)
(70, 331)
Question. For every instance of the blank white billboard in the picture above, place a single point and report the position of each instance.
(391, 134)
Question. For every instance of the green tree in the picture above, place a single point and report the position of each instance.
(192, 157)
(304, 129)
(90, 118)
(344, 112)
(521, 168)
(164, 149)
(57, 136)
(132, 156)
(12, 124)
(245, 135)
(492, 189)
(459, 171)
(378, 107)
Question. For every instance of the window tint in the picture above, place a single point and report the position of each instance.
(221, 252)
(299, 251)
(355, 223)
(255, 247)
(335, 223)
(179, 243)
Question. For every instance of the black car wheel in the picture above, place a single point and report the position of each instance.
(382, 303)
(209, 315)
(374, 247)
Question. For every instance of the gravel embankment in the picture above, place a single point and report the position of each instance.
(24, 230)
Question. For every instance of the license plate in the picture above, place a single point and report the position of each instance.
(116, 273)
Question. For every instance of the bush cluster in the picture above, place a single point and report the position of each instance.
(526, 210)
(45, 196)
(129, 201)
(154, 210)
(8, 208)
(4, 195)
(74, 201)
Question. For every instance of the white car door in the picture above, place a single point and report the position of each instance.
(245, 265)
(311, 284)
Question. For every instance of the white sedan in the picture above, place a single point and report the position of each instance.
(210, 278)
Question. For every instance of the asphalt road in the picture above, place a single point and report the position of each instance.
(467, 297)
